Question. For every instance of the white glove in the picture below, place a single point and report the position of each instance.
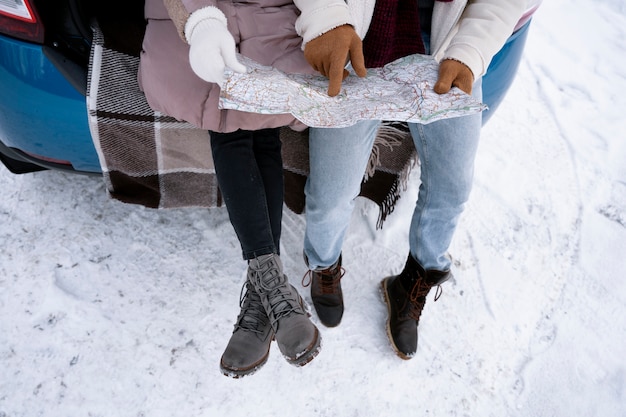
(212, 47)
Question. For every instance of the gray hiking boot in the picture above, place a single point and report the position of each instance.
(249, 346)
(297, 337)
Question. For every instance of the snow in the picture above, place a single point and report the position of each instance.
(111, 309)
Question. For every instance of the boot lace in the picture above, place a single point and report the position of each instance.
(280, 297)
(252, 317)
(417, 297)
(329, 279)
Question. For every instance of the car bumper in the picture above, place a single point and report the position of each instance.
(42, 116)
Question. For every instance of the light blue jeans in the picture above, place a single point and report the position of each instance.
(338, 158)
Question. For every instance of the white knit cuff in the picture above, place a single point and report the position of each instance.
(468, 55)
(312, 24)
(361, 12)
(200, 15)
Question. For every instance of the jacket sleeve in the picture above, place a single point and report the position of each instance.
(180, 10)
(483, 29)
(319, 16)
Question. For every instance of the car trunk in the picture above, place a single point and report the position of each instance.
(67, 40)
(68, 31)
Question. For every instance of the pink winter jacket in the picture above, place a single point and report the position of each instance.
(264, 31)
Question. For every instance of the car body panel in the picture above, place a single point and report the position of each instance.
(41, 113)
(502, 69)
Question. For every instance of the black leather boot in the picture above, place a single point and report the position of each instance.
(405, 296)
(326, 293)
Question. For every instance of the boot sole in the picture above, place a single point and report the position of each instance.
(383, 290)
(237, 373)
(310, 353)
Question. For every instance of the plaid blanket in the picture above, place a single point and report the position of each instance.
(157, 161)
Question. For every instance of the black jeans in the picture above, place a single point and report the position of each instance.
(249, 170)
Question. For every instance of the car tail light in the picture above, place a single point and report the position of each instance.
(19, 19)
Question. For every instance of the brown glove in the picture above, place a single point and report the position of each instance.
(454, 73)
(329, 52)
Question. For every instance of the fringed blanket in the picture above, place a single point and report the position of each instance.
(157, 161)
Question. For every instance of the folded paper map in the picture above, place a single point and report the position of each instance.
(400, 91)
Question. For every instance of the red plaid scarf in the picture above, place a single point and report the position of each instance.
(394, 32)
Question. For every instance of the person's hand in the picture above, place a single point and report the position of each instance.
(454, 73)
(212, 48)
(329, 53)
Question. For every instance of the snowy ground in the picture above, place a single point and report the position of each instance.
(115, 310)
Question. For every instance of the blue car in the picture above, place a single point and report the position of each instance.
(44, 57)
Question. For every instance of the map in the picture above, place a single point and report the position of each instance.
(400, 91)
